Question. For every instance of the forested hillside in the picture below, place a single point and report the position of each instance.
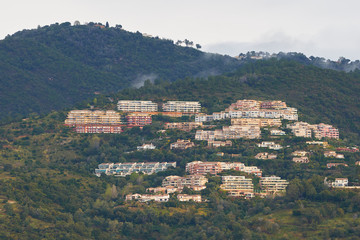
(320, 95)
(57, 66)
(48, 189)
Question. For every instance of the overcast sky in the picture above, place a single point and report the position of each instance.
(324, 28)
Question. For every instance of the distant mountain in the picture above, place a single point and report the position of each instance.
(56, 66)
(342, 64)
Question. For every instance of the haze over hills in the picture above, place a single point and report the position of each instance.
(56, 66)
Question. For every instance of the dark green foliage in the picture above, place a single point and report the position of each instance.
(59, 65)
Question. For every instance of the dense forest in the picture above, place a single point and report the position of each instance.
(48, 189)
(56, 66)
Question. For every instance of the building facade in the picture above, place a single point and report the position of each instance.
(137, 106)
(237, 186)
(85, 117)
(182, 106)
(273, 184)
(138, 119)
(182, 144)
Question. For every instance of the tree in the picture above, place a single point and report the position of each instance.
(107, 25)
(76, 23)
(198, 46)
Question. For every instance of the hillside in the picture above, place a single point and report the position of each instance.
(319, 94)
(57, 66)
(49, 190)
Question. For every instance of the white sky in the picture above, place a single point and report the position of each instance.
(324, 28)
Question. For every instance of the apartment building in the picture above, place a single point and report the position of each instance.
(148, 197)
(333, 154)
(325, 131)
(138, 119)
(187, 198)
(259, 122)
(273, 105)
(182, 106)
(137, 106)
(182, 144)
(330, 165)
(214, 168)
(124, 169)
(204, 135)
(98, 128)
(237, 186)
(237, 132)
(186, 181)
(184, 126)
(215, 144)
(301, 129)
(301, 159)
(265, 156)
(273, 184)
(203, 118)
(203, 168)
(244, 105)
(84, 117)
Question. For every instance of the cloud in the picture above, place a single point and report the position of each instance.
(141, 78)
(323, 44)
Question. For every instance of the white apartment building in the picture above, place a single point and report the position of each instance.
(137, 106)
(273, 184)
(188, 181)
(237, 185)
(182, 106)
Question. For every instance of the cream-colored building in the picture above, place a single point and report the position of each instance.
(187, 181)
(182, 106)
(185, 126)
(273, 184)
(301, 129)
(137, 106)
(237, 186)
(78, 117)
(259, 122)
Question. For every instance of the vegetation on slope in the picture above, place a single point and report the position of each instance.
(59, 65)
(48, 190)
